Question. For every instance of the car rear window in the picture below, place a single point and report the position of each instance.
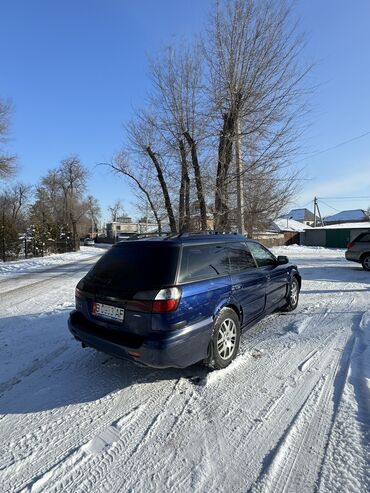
(203, 262)
(134, 265)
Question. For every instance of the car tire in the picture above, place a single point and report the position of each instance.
(366, 262)
(224, 344)
(293, 296)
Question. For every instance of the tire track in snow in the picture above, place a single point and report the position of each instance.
(271, 369)
(122, 439)
(295, 462)
(156, 432)
(65, 435)
(26, 372)
(72, 450)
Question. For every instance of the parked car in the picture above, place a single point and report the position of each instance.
(174, 301)
(89, 242)
(358, 250)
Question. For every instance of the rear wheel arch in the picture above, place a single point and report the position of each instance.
(226, 304)
(298, 277)
(363, 255)
(365, 260)
(237, 310)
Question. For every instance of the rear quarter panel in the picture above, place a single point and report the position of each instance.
(200, 302)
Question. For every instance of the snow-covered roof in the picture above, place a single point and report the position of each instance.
(286, 224)
(299, 215)
(352, 215)
(363, 225)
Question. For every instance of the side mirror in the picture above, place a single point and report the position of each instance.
(282, 259)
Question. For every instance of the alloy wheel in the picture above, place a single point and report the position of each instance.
(294, 293)
(226, 339)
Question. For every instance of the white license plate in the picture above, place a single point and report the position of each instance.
(108, 311)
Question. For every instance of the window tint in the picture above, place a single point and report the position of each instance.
(134, 265)
(364, 237)
(262, 255)
(203, 262)
(240, 257)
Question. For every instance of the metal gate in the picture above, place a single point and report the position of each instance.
(337, 238)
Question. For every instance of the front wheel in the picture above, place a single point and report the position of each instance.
(293, 296)
(225, 341)
(366, 262)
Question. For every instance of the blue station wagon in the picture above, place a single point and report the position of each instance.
(176, 300)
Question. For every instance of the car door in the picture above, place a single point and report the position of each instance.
(248, 283)
(277, 276)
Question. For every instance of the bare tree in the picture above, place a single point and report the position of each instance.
(177, 99)
(7, 162)
(246, 89)
(17, 197)
(145, 142)
(121, 166)
(72, 175)
(93, 210)
(115, 210)
(252, 52)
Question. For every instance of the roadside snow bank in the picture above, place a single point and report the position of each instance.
(25, 266)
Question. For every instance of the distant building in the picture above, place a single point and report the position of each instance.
(125, 229)
(335, 235)
(352, 216)
(292, 231)
(303, 216)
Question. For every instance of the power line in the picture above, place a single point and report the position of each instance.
(345, 142)
(345, 198)
(328, 205)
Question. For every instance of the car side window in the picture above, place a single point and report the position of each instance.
(364, 238)
(240, 258)
(262, 256)
(203, 262)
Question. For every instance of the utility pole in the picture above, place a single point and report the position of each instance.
(316, 207)
(146, 217)
(239, 181)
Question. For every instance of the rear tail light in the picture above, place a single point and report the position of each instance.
(163, 301)
(350, 245)
(166, 300)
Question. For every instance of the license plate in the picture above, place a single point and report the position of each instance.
(108, 311)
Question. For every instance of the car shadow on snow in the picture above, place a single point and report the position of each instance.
(59, 373)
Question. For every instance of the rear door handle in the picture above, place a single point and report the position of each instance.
(236, 287)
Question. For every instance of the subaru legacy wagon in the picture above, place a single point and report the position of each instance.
(178, 300)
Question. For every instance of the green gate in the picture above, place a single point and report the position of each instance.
(337, 238)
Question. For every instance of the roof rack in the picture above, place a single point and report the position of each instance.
(202, 232)
(170, 236)
(141, 236)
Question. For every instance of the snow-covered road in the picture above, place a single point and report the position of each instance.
(292, 413)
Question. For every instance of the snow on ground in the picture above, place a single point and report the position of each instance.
(291, 413)
(25, 266)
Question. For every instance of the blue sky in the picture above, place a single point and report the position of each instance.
(74, 70)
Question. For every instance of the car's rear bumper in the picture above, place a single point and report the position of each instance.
(176, 348)
(353, 256)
